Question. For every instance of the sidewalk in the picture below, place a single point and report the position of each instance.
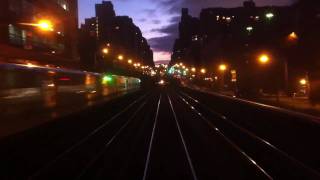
(298, 104)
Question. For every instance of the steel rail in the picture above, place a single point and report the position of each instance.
(183, 141)
(151, 140)
(234, 145)
(83, 140)
(256, 137)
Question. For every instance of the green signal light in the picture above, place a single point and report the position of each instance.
(107, 79)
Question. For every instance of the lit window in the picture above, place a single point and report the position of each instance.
(195, 38)
(64, 6)
(249, 28)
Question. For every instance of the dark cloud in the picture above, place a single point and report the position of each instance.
(170, 29)
(142, 20)
(168, 2)
(175, 19)
(156, 21)
(165, 43)
(195, 6)
(150, 12)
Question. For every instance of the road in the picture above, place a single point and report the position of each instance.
(168, 133)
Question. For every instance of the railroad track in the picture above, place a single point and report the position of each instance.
(169, 134)
(100, 138)
(272, 161)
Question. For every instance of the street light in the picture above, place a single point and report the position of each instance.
(45, 25)
(129, 61)
(203, 71)
(193, 69)
(120, 57)
(105, 50)
(222, 67)
(269, 15)
(264, 58)
(303, 82)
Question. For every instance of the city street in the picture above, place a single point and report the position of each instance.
(168, 133)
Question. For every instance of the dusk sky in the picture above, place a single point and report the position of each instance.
(158, 19)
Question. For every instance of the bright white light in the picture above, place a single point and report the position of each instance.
(269, 15)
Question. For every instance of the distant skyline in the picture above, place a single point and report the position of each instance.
(158, 19)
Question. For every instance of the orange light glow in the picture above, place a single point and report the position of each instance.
(222, 67)
(303, 82)
(264, 58)
(203, 71)
(120, 57)
(45, 25)
(105, 50)
(293, 36)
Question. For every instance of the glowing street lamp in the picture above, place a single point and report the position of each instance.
(105, 50)
(222, 67)
(45, 25)
(303, 82)
(129, 61)
(269, 15)
(193, 69)
(264, 59)
(120, 57)
(203, 71)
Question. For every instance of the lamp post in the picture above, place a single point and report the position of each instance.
(265, 59)
(222, 68)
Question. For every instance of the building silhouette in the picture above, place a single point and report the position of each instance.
(118, 33)
(237, 36)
